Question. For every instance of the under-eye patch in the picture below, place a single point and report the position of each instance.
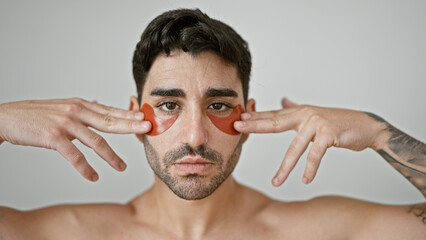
(158, 125)
(226, 124)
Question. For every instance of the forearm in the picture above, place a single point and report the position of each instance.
(406, 154)
(1, 139)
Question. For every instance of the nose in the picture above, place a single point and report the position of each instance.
(194, 129)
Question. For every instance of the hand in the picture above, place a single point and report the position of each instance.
(53, 124)
(325, 127)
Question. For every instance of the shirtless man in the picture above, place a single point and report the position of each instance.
(193, 72)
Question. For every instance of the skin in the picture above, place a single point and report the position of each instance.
(233, 211)
(53, 124)
(330, 127)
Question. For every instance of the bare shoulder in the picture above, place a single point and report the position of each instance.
(376, 221)
(59, 222)
(346, 218)
(9, 220)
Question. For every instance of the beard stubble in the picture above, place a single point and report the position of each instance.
(192, 186)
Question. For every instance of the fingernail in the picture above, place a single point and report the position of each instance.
(122, 166)
(95, 177)
(245, 116)
(240, 124)
(144, 125)
(305, 180)
(276, 181)
(139, 115)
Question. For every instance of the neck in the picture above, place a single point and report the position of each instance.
(188, 218)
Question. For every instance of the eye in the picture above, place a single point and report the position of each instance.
(219, 107)
(168, 106)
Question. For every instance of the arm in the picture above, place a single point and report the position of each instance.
(404, 153)
(54, 124)
(333, 127)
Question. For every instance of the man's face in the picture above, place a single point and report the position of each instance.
(192, 157)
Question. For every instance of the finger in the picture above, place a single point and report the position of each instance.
(112, 111)
(111, 124)
(117, 125)
(296, 149)
(99, 145)
(286, 103)
(76, 158)
(317, 151)
(76, 104)
(269, 125)
(266, 114)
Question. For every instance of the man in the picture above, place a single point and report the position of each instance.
(192, 76)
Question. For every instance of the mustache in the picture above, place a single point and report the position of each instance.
(209, 154)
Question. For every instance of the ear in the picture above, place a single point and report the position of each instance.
(134, 106)
(250, 107)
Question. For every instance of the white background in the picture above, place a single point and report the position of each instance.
(366, 55)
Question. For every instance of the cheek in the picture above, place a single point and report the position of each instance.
(226, 124)
(158, 125)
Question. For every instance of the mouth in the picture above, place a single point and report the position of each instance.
(192, 166)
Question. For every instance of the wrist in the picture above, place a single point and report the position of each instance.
(1, 124)
(382, 138)
(382, 133)
(380, 130)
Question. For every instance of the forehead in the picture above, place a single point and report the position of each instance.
(192, 73)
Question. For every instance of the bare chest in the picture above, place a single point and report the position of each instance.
(241, 230)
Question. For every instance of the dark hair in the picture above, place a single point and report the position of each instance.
(191, 31)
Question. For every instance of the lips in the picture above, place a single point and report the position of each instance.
(192, 166)
(192, 161)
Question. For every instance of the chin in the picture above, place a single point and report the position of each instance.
(195, 186)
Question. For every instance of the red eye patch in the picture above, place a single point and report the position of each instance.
(158, 125)
(226, 124)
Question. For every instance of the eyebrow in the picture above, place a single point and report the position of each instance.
(165, 92)
(223, 92)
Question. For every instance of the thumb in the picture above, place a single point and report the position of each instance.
(286, 103)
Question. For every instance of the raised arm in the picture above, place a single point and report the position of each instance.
(333, 127)
(404, 153)
(54, 124)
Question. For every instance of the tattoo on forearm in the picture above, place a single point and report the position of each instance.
(405, 154)
(418, 211)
